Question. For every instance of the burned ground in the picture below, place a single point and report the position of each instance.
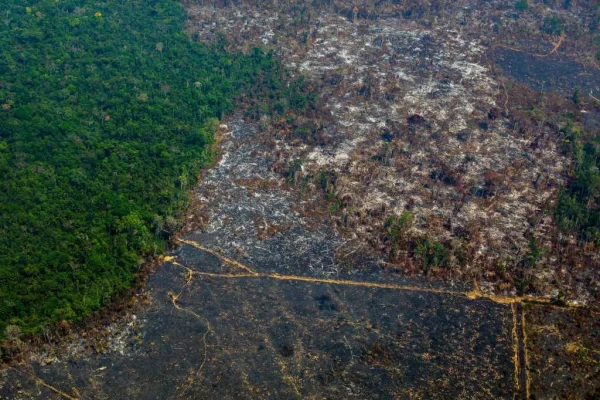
(236, 315)
(373, 249)
(548, 73)
(433, 119)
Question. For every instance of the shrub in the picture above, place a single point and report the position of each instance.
(522, 5)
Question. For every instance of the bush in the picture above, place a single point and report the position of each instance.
(432, 254)
(522, 5)
(577, 210)
(396, 226)
(553, 26)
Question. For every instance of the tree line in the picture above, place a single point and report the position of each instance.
(107, 112)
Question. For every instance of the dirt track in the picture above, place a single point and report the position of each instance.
(266, 301)
(253, 317)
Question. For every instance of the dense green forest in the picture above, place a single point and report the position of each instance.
(578, 208)
(106, 112)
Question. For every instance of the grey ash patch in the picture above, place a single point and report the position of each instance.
(258, 337)
(242, 207)
(554, 72)
(270, 339)
(223, 336)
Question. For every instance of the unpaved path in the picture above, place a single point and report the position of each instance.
(235, 314)
(256, 304)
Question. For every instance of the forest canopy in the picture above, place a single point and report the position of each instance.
(107, 109)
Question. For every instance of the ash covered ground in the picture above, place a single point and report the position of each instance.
(252, 305)
(213, 329)
(285, 283)
(425, 119)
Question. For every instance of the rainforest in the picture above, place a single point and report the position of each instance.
(267, 199)
(108, 112)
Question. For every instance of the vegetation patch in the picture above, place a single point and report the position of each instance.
(107, 111)
(578, 207)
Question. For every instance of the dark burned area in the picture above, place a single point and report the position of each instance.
(291, 279)
(211, 328)
(552, 73)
